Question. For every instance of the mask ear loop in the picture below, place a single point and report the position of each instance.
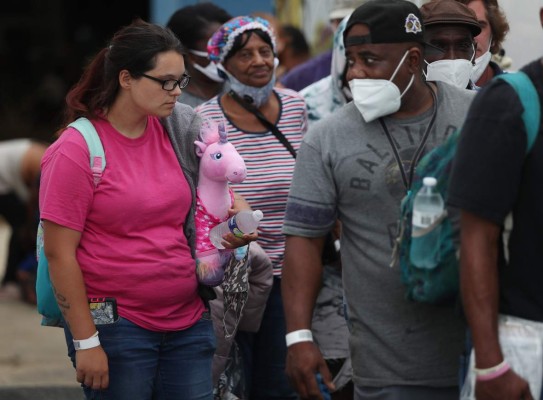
(472, 60)
(396, 71)
(425, 69)
(489, 46)
(408, 85)
(490, 43)
(398, 66)
(199, 53)
(203, 54)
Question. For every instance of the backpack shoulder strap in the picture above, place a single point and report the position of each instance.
(530, 102)
(96, 150)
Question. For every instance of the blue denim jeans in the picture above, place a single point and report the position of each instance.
(264, 352)
(147, 365)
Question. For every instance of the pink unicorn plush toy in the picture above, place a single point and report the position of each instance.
(220, 163)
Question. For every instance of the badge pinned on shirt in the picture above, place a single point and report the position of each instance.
(412, 24)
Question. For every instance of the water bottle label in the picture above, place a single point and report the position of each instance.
(423, 219)
(234, 227)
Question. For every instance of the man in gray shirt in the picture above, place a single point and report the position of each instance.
(356, 166)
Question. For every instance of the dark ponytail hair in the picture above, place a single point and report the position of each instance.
(133, 48)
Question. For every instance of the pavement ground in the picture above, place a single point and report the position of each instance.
(33, 359)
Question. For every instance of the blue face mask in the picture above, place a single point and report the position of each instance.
(258, 95)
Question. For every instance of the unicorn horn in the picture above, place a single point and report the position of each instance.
(223, 136)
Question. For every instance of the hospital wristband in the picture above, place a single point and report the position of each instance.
(89, 343)
(302, 335)
(487, 374)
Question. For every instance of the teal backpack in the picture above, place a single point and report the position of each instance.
(440, 285)
(47, 303)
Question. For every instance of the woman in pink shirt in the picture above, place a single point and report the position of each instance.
(130, 239)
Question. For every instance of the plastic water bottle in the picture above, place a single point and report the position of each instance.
(428, 206)
(245, 221)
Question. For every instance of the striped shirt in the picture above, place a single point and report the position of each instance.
(270, 166)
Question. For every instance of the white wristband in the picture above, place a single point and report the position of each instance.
(89, 343)
(302, 335)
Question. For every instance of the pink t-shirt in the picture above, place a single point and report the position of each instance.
(132, 243)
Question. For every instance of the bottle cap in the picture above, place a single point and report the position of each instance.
(429, 181)
(258, 215)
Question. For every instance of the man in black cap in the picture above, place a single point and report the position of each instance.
(356, 166)
(450, 29)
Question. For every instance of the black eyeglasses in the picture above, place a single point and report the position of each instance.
(170, 84)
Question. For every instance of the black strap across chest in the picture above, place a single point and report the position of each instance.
(273, 129)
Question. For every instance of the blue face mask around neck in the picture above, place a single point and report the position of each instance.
(254, 95)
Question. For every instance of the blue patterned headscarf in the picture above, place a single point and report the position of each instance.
(222, 41)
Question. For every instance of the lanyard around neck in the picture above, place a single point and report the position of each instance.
(408, 180)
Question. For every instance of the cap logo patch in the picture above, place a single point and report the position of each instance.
(412, 24)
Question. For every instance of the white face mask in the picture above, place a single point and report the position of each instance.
(454, 72)
(481, 63)
(375, 98)
(210, 70)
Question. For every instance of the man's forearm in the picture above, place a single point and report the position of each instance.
(479, 282)
(301, 280)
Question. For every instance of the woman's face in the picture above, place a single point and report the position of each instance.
(147, 92)
(201, 45)
(252, 64)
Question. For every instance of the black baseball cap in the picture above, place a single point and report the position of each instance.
(389, 21)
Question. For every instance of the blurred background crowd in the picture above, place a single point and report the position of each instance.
(44, 45)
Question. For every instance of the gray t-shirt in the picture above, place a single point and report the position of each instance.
(194, 100)
(190, 99)
(346, 169)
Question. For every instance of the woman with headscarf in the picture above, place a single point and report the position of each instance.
(266, 125)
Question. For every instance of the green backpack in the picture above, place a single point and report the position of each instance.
(440, 285)
(46, 301)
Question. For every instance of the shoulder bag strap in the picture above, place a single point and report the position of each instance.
(96, 150)
(253, 110)
(530, 102)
